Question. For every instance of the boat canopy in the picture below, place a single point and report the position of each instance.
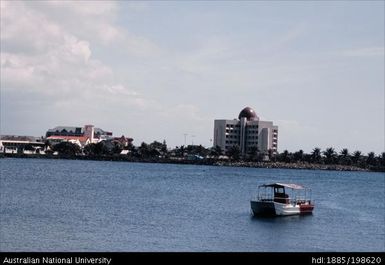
(286, 185)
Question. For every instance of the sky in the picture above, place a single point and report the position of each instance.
(165, 70)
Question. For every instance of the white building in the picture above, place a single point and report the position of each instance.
(247, 132)
(17, 144)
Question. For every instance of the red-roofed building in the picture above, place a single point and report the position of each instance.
(79, 140)
(94, 134)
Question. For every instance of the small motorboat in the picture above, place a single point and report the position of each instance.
(279, 199)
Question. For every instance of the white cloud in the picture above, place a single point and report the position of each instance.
(41, 53)
(94, 21)
(120, 90)
(28, 33)
(85, 9)
(49, 69)
(90, 20)
(364, 52)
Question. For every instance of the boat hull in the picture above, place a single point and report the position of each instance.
(279, 209)
(262, 208)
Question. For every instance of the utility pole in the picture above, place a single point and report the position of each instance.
(185, 135)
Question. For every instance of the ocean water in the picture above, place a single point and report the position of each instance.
(70, 205)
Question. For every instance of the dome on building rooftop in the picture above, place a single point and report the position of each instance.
(249, 114)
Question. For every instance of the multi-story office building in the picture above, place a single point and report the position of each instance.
(247, 132)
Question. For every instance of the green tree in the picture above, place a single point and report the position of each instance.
(103, 148)
(164, 147)
(344, 157)
(67, 148)
(285, 156)
(133, 152)
(299, 156)
(271, 154)
(117, 148)
(316, 155)
(89, 149)
(330, 155)
(156, 145)
(382, 159)
(180, 152)
(197, 150)
(356, 157)
(234, 152)
(144, 150)
(371, 159)
(216, 151)
(253, 153)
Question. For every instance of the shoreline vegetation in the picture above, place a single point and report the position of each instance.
(157, 152)
(208, 162)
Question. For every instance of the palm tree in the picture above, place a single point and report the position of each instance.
(182, 151)
(144, 150)
(371, 160)
(356, 157)
(330, 155)
(285, 157)
(316, 155)
(344, 152)
(234, 152)
(344, 157)
(298, 156)
(253, 152)
(382, 159)
(216, 151)
(164, 148)
(271, 154)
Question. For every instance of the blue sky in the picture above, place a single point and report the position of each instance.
(160, 70)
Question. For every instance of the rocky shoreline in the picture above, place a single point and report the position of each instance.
(212, 162)
(290, 166)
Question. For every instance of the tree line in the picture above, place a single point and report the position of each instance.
(158, 150)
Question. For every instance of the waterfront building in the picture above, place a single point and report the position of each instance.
(79, 140)
(17, 143)
(84, 135)
(123, 141)
(247, 132)
(88, 130)
(78, 135)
